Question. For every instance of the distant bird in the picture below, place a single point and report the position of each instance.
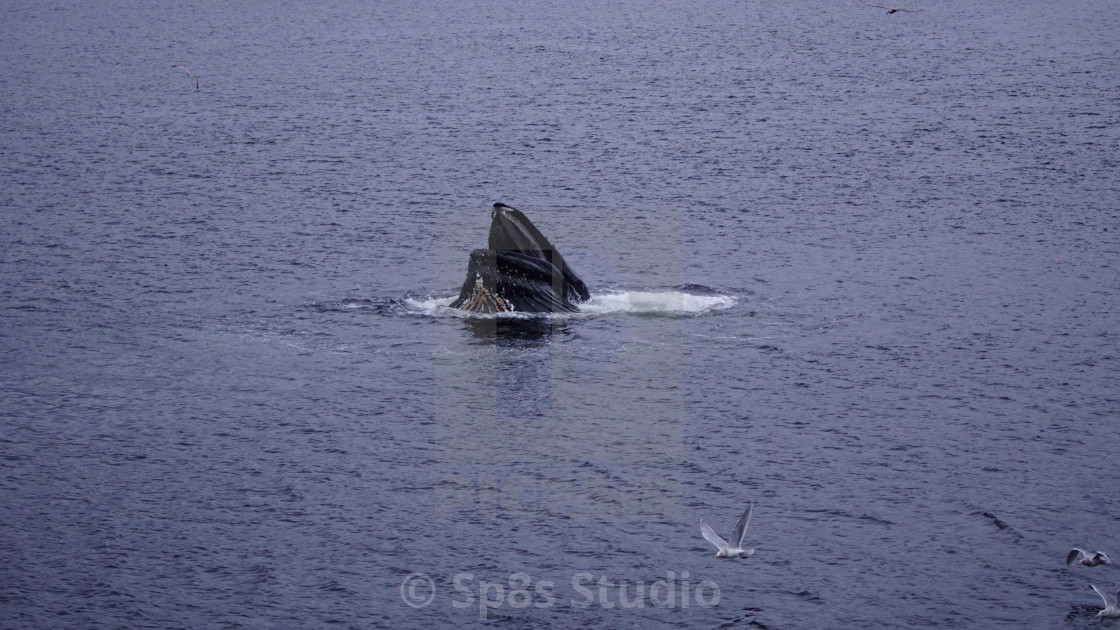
(192, 75)
(1110, 607)
(1083, 557)
(735, 547)
(891, 9)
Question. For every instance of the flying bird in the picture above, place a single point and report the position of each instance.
(192, 75)
(891, 9)
(735, 546)
(1084, 557)
(1110, 608)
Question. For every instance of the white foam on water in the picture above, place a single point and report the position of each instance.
(655, 303)
(429, 305)
(635, 302)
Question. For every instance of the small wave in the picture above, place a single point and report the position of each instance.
(612, 302)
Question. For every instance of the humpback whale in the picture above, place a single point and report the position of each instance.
(519, 271)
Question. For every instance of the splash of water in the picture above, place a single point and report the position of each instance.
(611, 302)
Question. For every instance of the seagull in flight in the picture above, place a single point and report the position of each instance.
(891, 9)
(1110, 608)
(1084, 557)
(735, 547)
(192, 75)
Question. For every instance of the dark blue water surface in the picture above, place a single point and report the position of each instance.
(859, 269)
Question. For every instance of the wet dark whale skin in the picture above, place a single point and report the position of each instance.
(520, 271)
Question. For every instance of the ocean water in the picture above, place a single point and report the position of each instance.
(857, 269)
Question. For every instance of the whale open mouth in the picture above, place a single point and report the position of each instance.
(520, 271)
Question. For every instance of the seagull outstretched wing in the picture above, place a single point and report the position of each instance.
(1075, 555)
(711, 536)
(740, 530)
(1109, 600)
(189, 73)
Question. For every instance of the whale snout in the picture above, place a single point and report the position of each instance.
(499, 207)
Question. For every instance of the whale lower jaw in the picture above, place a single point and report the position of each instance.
(483, 301)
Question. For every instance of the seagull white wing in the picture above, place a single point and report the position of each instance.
(1075, 555)
(711, 536)
(740, 530)
(1109, 600)
(189, 73)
